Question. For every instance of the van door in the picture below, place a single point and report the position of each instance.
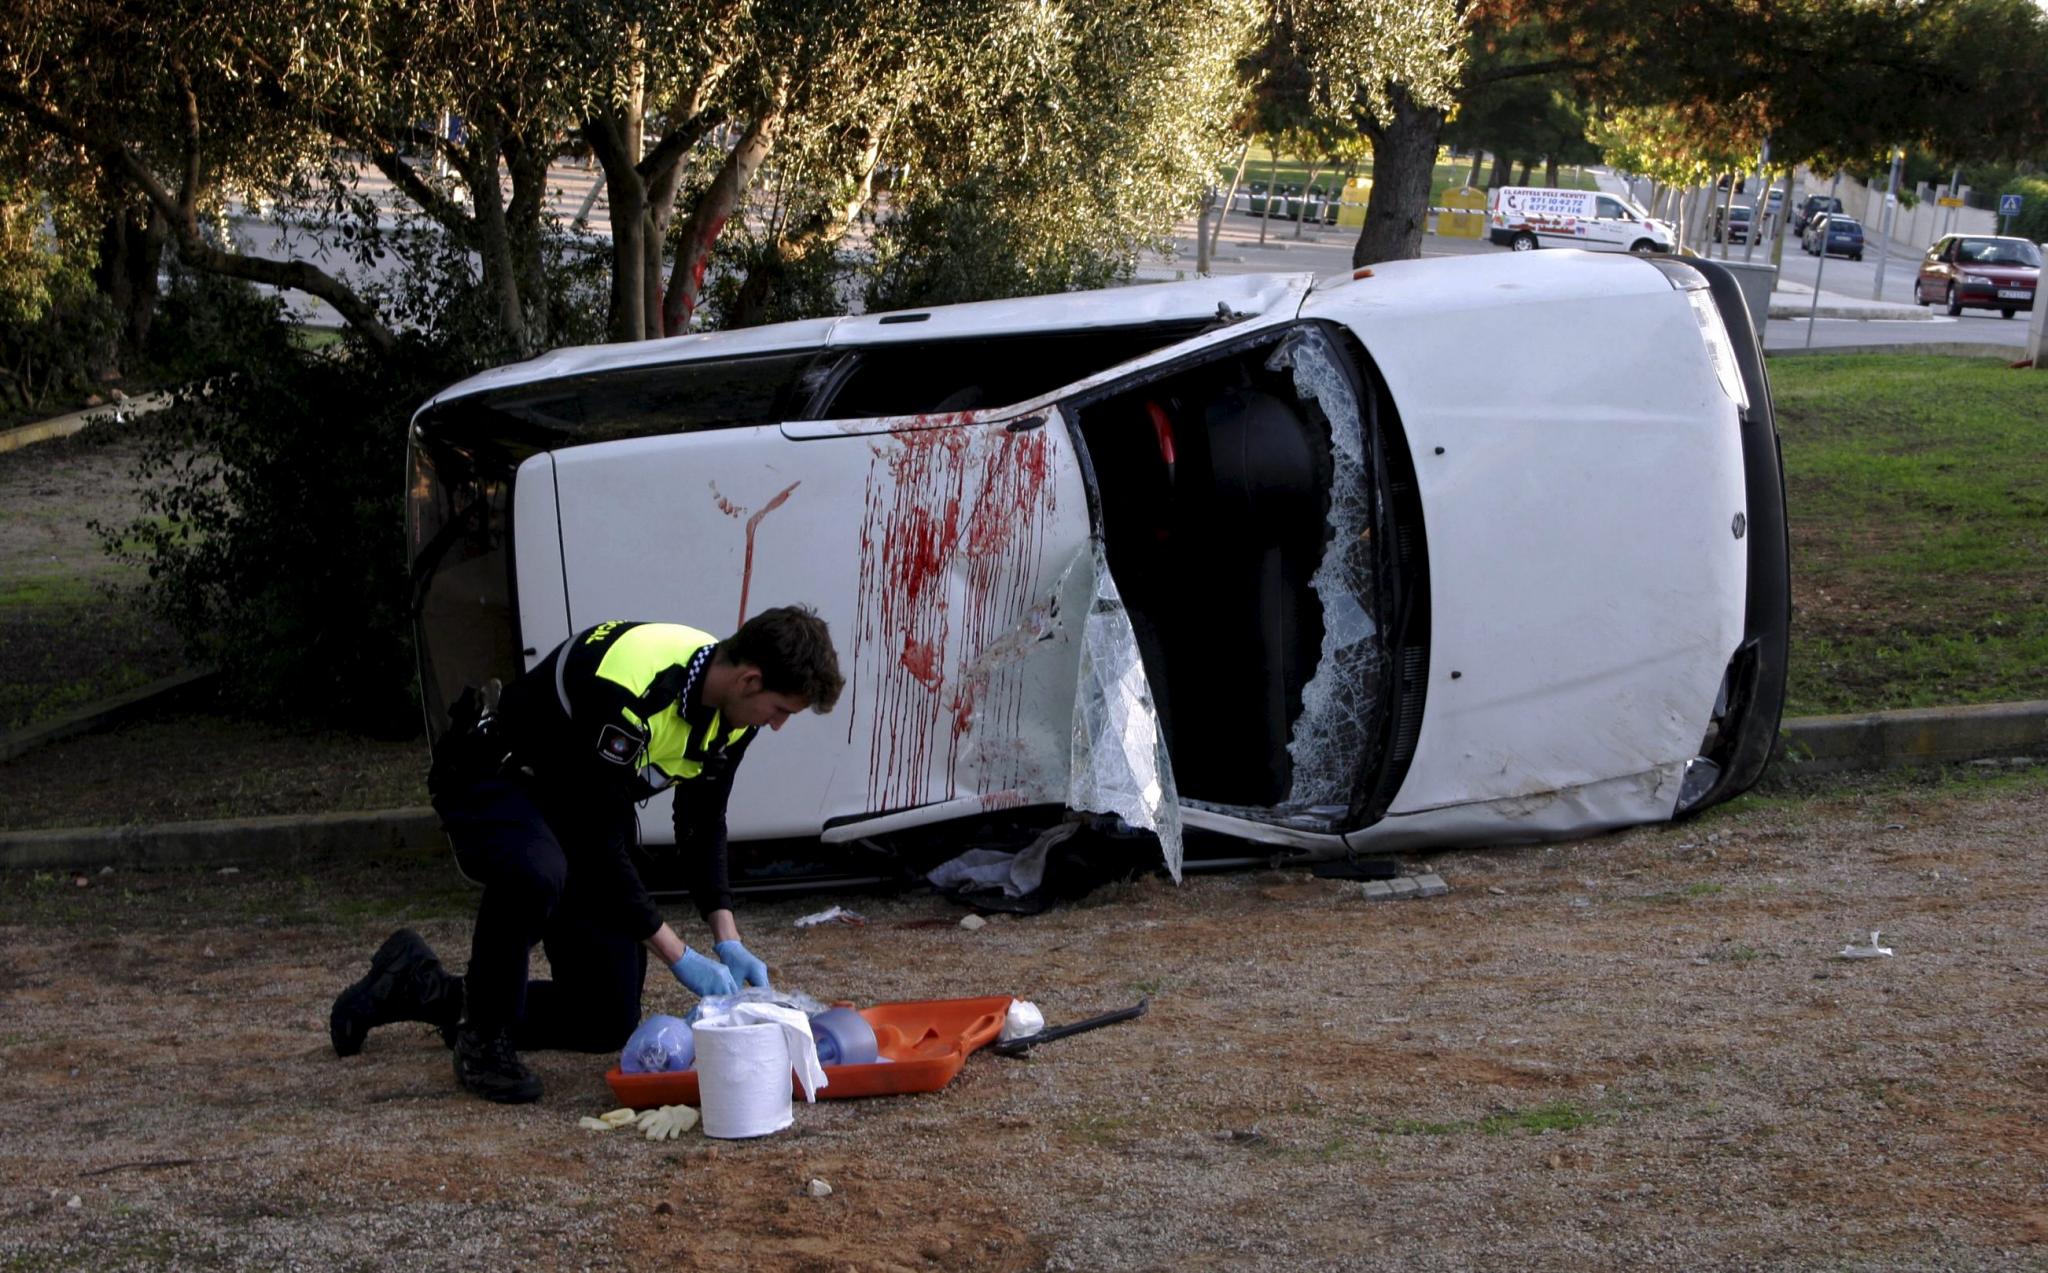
(948, 553)
(1613, 228)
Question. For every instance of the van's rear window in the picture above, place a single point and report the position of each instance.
(723, 393)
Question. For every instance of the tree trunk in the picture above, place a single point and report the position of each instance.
(1478, 158)
(1314, 170)
(1500, 175)
(1266, 209)
(1550, 170)
(1404, 162)
(479, 168)
(131, 253)
(1781, 223)
(717, 204)
(528, 165)
(1523, 180)
(614, 139)
(1236, 180)
(1727, 243)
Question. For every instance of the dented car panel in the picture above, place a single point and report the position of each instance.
(1234, 555)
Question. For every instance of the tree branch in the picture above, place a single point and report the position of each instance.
(1497, 74)
(435, 204)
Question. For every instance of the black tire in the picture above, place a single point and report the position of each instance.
(2005, 313)
(1643, 247)
(1857, 256)
(1955, 303)
(1523, 242)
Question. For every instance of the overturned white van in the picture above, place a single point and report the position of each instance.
(1252, 556)
(1528, 217)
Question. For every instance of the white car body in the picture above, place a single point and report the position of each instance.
(1031, 616)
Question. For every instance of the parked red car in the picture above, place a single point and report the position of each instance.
(1980, 272)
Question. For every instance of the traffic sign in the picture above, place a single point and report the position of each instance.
(2008, 205)
(1949, 201)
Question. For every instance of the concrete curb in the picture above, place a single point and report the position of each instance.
(1943, 348)
(1917, 736)
(280, 841)
(1880, 312)
(1816, 744)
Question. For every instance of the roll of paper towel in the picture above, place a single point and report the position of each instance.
(744, 1061)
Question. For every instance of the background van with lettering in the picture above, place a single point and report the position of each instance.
(1528, 217)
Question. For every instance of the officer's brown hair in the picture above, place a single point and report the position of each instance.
(793, 648)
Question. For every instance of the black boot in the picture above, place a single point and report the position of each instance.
(405, 983)
(486, 1065)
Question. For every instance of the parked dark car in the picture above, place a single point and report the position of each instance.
(1832, 234)
(1980, 271)
(1810, 207)
(1731, 225)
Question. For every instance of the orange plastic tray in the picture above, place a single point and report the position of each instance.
(926, 1042)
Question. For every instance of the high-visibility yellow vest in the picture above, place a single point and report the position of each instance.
(635, 656)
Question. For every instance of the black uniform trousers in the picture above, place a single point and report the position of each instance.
(523, 842)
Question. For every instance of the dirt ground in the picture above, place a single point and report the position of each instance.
(1640, 1051)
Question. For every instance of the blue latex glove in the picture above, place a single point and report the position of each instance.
(702, 975)
(748, 970)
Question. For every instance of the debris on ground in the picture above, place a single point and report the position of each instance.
(1403, 887)
(1021, 1021)
(972, 922)
(608, 1122)
(832, 915)
(1872, 951)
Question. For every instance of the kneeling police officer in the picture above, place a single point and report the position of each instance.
(537, 793)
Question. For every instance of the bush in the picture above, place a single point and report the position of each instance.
(2032, 222)
(970, 243)
(272, 526)
(56, 332)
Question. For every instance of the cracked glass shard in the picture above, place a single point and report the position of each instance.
(1119, 761)
(1335, 735)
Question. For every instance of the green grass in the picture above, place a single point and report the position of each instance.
(46, 590)
(1918, 497)
(1555, 1116)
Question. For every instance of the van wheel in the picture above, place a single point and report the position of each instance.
(1955, 303)
(2005, 313)
(1643, 247)
(1524, 242)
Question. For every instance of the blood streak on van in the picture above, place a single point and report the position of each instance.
(1527, 217)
